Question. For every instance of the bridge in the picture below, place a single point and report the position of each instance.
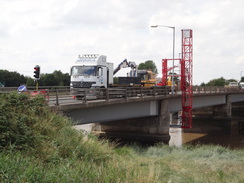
(125, 103)
(137, 113)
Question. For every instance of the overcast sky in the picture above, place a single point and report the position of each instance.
(52, 33)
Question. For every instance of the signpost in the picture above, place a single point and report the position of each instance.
(2, 83)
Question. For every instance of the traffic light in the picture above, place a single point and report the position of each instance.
(37, 69)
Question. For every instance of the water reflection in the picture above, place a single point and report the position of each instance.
(179, 137)
(233, 140)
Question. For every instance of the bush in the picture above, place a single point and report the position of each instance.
(26, 121)
(27, 124)
(37, 145)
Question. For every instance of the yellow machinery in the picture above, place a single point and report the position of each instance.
(169, 82)
(148, 78)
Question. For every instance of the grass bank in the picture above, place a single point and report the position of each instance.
(37, 145)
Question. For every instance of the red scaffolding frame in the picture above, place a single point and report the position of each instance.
(166, 69)
(186, 78)
(185, 75)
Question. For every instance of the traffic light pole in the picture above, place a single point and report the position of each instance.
(36, 85)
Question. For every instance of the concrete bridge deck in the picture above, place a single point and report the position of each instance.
(118, 104)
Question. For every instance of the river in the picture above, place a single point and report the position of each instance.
(232, 140)
(178, 137)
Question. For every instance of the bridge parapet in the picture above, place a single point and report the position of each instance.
(215, 89)
(59, 96)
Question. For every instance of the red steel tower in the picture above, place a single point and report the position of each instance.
(186, 78)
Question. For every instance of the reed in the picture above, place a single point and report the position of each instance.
(38, 145)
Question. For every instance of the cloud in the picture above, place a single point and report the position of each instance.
(52, 33)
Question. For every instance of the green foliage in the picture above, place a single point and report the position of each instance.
(116, 80)
(38, 145)
(203, 163)
(16, 120)
(30, 81)
(11, 79)
(231, 80)
(202, 84)
(14, 79)
(148, 65)
(34, 140)
(216, 82)
(57, 78)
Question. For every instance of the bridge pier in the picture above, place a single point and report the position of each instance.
(216, 119)
(146, 129)
(223, 111)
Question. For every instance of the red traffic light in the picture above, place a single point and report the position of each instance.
(37, 69)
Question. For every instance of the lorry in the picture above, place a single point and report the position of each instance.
(93, 71)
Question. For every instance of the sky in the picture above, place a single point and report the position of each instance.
(52, 33)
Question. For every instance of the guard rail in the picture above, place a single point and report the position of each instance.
(56, 95)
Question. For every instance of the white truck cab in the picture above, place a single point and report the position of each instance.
(91, 71)
(242, 85)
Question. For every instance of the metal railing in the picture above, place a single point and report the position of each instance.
(117, 93)
(216, 89)
(56, 95)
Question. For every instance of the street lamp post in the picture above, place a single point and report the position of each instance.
(173, 28)
(241, 75)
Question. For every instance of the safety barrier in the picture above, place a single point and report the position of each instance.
(63, 95)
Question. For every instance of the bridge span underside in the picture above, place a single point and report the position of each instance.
(120, 111)
(202, 101)
(114, 112)
(146, 121)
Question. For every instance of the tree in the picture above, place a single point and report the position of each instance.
(202, 84)
(217, 82)
(12, 79)
(30, 81)
(116, 80)
(48, 80)
(231, 80)
(148, 65)
(57, 78)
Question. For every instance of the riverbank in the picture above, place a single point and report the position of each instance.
(38, 145)
(105, 163)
